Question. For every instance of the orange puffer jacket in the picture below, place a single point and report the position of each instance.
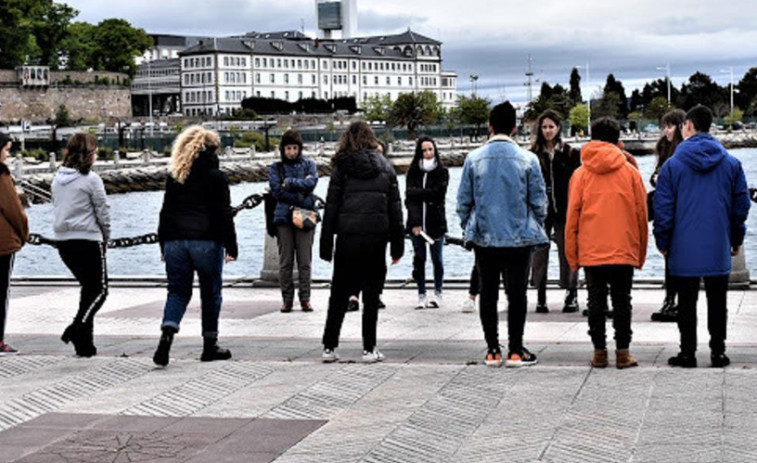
(607, 210)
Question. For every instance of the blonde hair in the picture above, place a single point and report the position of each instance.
(187, 146)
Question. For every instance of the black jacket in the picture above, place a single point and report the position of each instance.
(363, 199)
(199, 209)
(425, 193)
(557, 173)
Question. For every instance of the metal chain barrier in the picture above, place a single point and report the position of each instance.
(249, 202)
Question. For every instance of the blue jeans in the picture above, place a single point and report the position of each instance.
(419, 263)
(183, 258)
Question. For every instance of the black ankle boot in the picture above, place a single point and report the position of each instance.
(164, 346)
(86, 346)
(571, 301)
(667, 313)
(541, 299)
(211, 351)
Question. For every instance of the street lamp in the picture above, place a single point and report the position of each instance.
(588, 99)
(666, 68)
(474, 84)
(149, 92)
(730, 70)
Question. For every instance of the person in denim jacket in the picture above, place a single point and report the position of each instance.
(502, 205)
(292, 181)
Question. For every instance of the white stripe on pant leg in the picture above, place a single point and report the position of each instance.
(8, 291)
(103, 285)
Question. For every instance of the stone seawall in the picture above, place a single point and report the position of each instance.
(92, 102)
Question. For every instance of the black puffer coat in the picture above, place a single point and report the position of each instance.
(425, 193)
(557, 173)
(363, 199)
(200, 208)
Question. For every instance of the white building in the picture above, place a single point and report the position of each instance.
(217, 74)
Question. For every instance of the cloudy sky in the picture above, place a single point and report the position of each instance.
(493, 39)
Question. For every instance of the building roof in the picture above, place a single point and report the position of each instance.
(160, 63)
(400, 46)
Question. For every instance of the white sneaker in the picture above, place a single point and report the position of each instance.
(373, 357)
(421, 302)
(436, 300)
(329, 356)
(468, 305)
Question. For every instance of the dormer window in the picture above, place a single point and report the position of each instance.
(356, 49)
(379, 50)
(278, 45)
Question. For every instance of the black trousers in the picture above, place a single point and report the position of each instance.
(512, 265)
(6, 268)
(86, 260)
(359, 262)
(475, 284)
(716, 289)
(619, 279)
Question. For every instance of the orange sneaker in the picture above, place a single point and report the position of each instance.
(493, 358)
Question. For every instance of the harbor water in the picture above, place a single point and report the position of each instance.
(137, 213)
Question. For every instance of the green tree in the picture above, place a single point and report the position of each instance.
(412, 110)
(657, 108)
(62, 117)
(575, 87)
(78, 47)
(117, 43)
(376, 108)
(473, 110)
(614, 86)
(701, 89)
(734, 117)
(579, 117)
(747, 88)
(31, 31)
(608, 105)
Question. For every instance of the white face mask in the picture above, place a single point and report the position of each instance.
(428, 164)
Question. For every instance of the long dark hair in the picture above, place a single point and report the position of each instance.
(358, 136)
(415, 165)
(665, 148)
(540, 143)
(79, 152)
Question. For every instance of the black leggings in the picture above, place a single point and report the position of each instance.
(6, 268)
(86, 260)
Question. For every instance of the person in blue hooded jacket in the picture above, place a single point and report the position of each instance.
(701, 204)
(292, 181)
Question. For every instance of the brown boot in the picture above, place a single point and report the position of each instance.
(286, 307)
(599, 359)
(624, 359)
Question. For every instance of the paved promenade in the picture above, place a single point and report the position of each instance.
(431, 401)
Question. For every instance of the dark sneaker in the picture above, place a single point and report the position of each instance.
(381, 304)
(682, 360)
(7, 349)
(720, 360)
(542, 308)
(493, 358)
(353, 306)
(524, 358)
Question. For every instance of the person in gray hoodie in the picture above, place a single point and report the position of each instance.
(81, 223)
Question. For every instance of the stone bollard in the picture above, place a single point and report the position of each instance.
(252, 152)
(321, 147)
(269, 275)
(53, 164)
(18, 167)
(739, 278)
(116, 158)
(146, 156)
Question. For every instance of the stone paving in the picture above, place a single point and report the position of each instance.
(431, 401)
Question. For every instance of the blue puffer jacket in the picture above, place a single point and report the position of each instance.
(701, 204)
(290, 186)
(502, 199)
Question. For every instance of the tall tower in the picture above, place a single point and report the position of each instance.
(336, 15)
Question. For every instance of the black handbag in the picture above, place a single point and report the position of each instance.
(650, 205)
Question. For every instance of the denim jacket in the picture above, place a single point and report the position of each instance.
(502, 199)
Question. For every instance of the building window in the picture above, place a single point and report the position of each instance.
(388, 80)
(265, 62)
(300, 95)
(307, 64)
(375, 80)
(257, 93)
(225, 60)
(257, 78)
(325, 65)
(286, 64)
(273, 78)
(325, 79)
(365, 80)
(354, 80)
(299, 79)
(257, 62)
(326, 95)
(286, 78)
(286, 95)
(273, 94)
(228, 98)
(410, 79)
(399, 81)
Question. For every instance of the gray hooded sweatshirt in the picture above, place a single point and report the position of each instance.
(80, 208)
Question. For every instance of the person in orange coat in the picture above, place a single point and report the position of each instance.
(606, 233)
(14, 232)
